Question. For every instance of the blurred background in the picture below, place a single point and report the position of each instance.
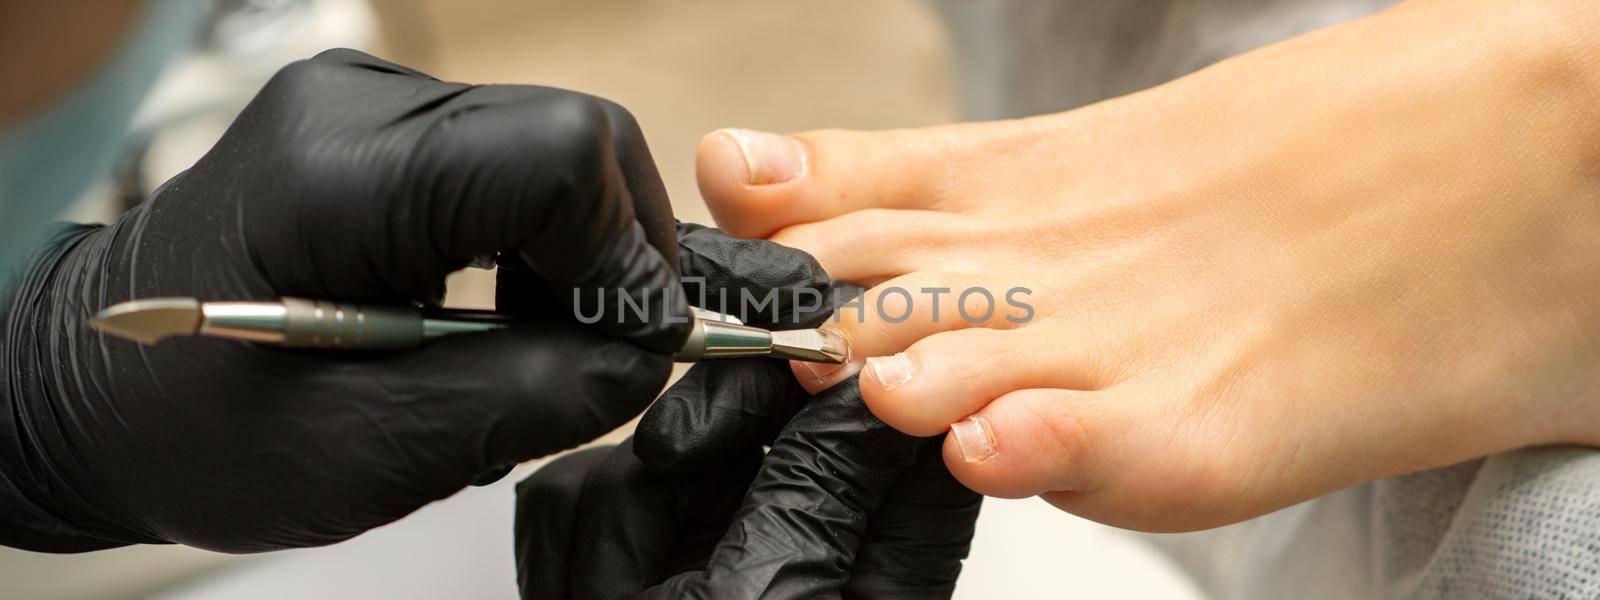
(684, 67)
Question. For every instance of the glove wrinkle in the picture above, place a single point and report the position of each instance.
(923, 530)
(622, 528)
(730, 268)
(687, 434)
(52, 514)
(808, 508)
(544, 523)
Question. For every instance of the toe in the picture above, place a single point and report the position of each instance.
(756, 183)
(895, 314)
(946, 377)
(1109, 457)
(1032, 442)
(752, 181)
(873, 245)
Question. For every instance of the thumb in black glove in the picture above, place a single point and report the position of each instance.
(353, 179)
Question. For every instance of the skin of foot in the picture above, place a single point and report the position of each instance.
(1367, 251)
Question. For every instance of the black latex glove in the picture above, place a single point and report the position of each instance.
(347, 178)
(841, 506)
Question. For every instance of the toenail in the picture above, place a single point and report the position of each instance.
(768, 157)
(891, 371)
(975, 439)
(825, 375)
(819, 372)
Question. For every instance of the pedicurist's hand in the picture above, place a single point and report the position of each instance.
(691, 508)
(354, 179)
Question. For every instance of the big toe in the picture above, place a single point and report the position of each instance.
(756, 183)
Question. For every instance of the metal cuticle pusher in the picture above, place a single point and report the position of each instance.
(325, 325)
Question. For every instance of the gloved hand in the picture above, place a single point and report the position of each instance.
(842, 505)
(353, 179)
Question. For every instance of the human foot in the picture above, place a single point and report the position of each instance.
(1368, 251)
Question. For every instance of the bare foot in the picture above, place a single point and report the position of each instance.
(1367, 251)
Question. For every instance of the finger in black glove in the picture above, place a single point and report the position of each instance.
(353, 179)
(880, 519)
(843, 505)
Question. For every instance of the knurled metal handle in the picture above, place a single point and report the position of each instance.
(338, 325)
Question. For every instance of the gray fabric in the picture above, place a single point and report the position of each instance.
(1026, 57)
(1523, 524)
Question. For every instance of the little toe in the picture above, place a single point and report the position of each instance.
(1032, 442)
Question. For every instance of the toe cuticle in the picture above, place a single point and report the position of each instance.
(891, 371)
(818, 373)
(768, 157)
(825, 375)
(975, 440)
